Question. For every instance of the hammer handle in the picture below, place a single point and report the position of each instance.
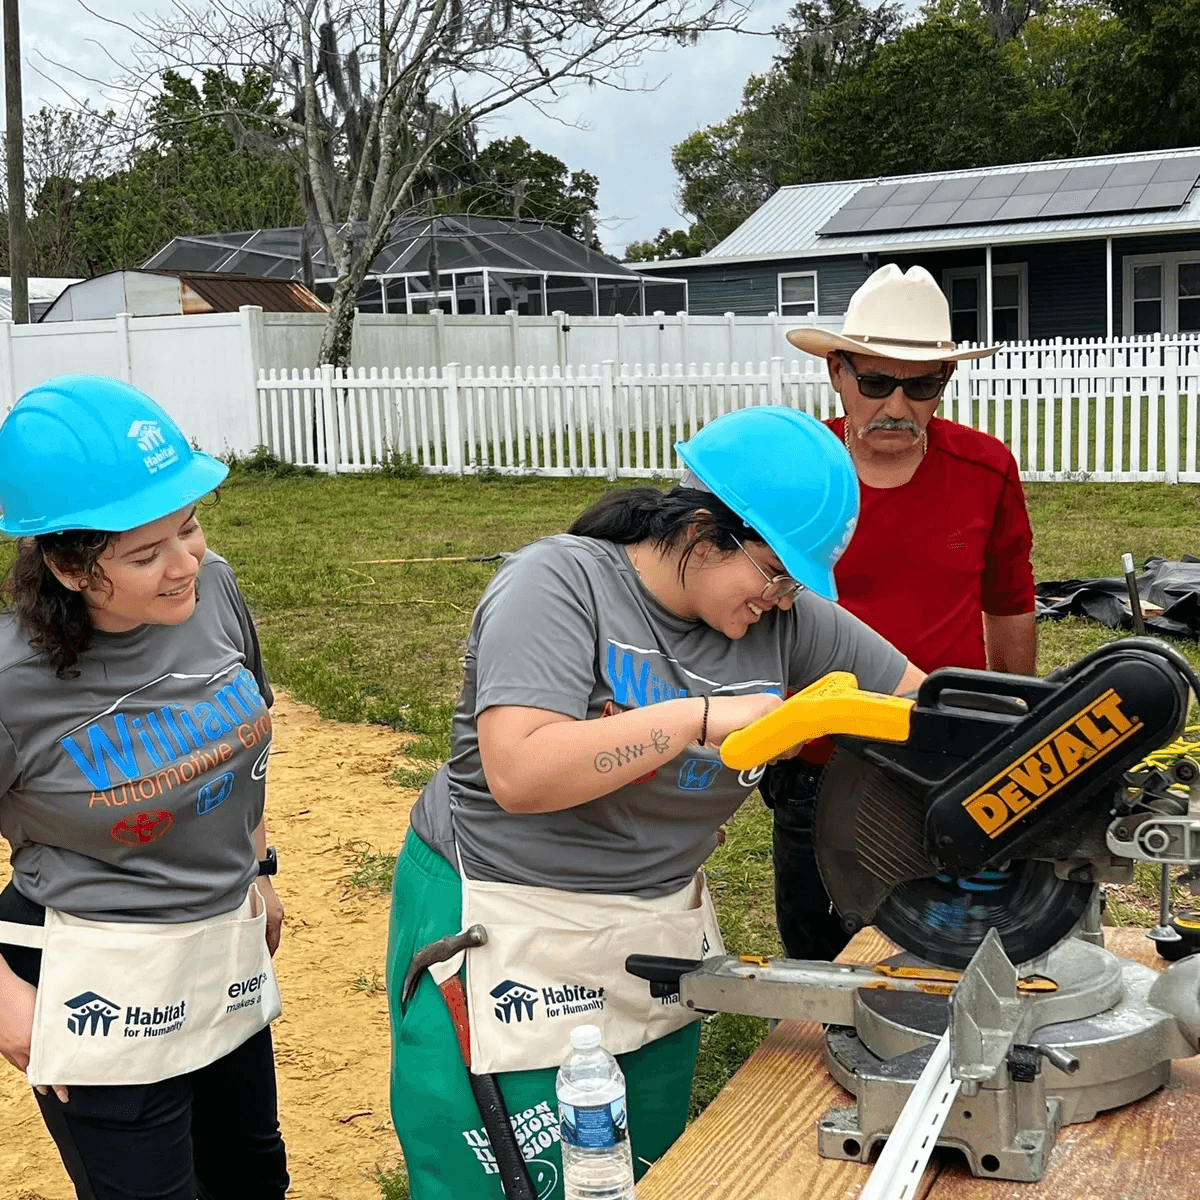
(514, 1175)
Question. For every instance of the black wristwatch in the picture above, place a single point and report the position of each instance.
(270, 864)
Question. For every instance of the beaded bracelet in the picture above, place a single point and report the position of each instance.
(704, 724)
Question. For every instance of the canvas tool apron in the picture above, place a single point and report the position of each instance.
(555, 959)
(137, 1003)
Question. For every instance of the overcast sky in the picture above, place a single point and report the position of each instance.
(627, 143)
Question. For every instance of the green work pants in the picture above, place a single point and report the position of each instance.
(445, 1147)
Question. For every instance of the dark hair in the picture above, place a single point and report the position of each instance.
(56, 618)
(683, 517)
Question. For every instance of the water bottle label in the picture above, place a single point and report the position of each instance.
(594, 1127)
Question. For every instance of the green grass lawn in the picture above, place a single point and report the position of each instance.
(383, 642)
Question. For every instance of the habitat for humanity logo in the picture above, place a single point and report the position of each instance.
(153, 443)
(570, 998)
(514, 999)
(91, 1014)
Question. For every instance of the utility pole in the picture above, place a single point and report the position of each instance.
(14, 145)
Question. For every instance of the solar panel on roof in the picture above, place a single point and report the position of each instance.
(1067, 203)
(953, 189)
(891, 217)
(914, 193)
(977, 212)
(1127, 174)
(1117, 199)
(1020, 208)
(994, 187)
(845, 220)
(1038, 183)
(1078, 178)
(870, 197)
(1177, 169)
(928, 215)
(1169, 193)
(1018, 196)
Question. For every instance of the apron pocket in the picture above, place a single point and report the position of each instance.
(131, 1004)
(554, 960)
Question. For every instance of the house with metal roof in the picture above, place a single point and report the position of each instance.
(483, 265)
(1080, 248)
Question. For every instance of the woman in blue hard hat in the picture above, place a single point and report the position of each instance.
(136, 986)
(604, 668)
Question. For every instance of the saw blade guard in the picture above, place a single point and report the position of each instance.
(965, 825)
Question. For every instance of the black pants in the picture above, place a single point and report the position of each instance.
(808, 926)
(213, 1133)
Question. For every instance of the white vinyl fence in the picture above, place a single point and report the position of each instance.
(1070, 411)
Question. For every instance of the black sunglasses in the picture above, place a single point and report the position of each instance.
(877, 386)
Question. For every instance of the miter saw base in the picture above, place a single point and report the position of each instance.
(1099, 1015)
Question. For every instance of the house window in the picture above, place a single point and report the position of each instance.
(964, 308)
(1188, 293)
(1147, 298)
(798, 294)
(964, 289)
(1161, 294)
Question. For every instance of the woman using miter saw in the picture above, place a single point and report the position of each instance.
(604, 668)
(136, 986)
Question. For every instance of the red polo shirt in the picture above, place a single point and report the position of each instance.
(928, 559)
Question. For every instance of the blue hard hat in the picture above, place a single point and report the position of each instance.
(789, 478)
(87, 452)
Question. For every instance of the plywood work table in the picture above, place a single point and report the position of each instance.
(758, 1137)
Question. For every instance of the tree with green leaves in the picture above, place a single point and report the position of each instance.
(1138, 83)
(942, 96)
(508, 178)
(670, 243)
(728, 170)
(199, 173)
(64, 149)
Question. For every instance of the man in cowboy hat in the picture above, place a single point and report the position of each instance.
(939, 563)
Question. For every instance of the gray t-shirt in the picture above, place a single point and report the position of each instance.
(130, 793)
(566, 625)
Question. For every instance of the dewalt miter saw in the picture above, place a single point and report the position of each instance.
(972, 826)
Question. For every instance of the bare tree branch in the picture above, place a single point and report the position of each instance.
(369, 93)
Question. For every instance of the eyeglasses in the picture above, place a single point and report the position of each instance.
(779, 587)
(877, 386)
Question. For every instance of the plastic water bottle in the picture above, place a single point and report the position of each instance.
(597, 1163)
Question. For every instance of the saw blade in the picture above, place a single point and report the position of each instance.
(944, 920)
(869, 837)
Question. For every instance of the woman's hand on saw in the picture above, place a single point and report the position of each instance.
(17, 999)
(726, 714)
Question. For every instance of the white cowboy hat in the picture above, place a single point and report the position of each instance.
(895, 314)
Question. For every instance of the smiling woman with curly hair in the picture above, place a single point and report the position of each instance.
(136, 985)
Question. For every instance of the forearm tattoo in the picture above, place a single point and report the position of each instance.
(606, 760)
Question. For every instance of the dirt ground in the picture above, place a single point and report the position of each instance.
(328, 786)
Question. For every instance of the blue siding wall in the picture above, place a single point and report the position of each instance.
(752, 289)
(1066, 280)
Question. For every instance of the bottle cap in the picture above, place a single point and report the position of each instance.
(585, 1037)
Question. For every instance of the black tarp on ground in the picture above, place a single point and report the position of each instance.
(1173, 587)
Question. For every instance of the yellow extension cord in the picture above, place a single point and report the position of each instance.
(1164, 756)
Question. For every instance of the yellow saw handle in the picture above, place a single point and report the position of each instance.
(833, 704)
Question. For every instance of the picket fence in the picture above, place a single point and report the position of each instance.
(1107, 411)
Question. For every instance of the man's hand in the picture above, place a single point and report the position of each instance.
(275, 913)
(17, 999)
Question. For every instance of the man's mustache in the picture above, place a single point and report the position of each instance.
(892, 423)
